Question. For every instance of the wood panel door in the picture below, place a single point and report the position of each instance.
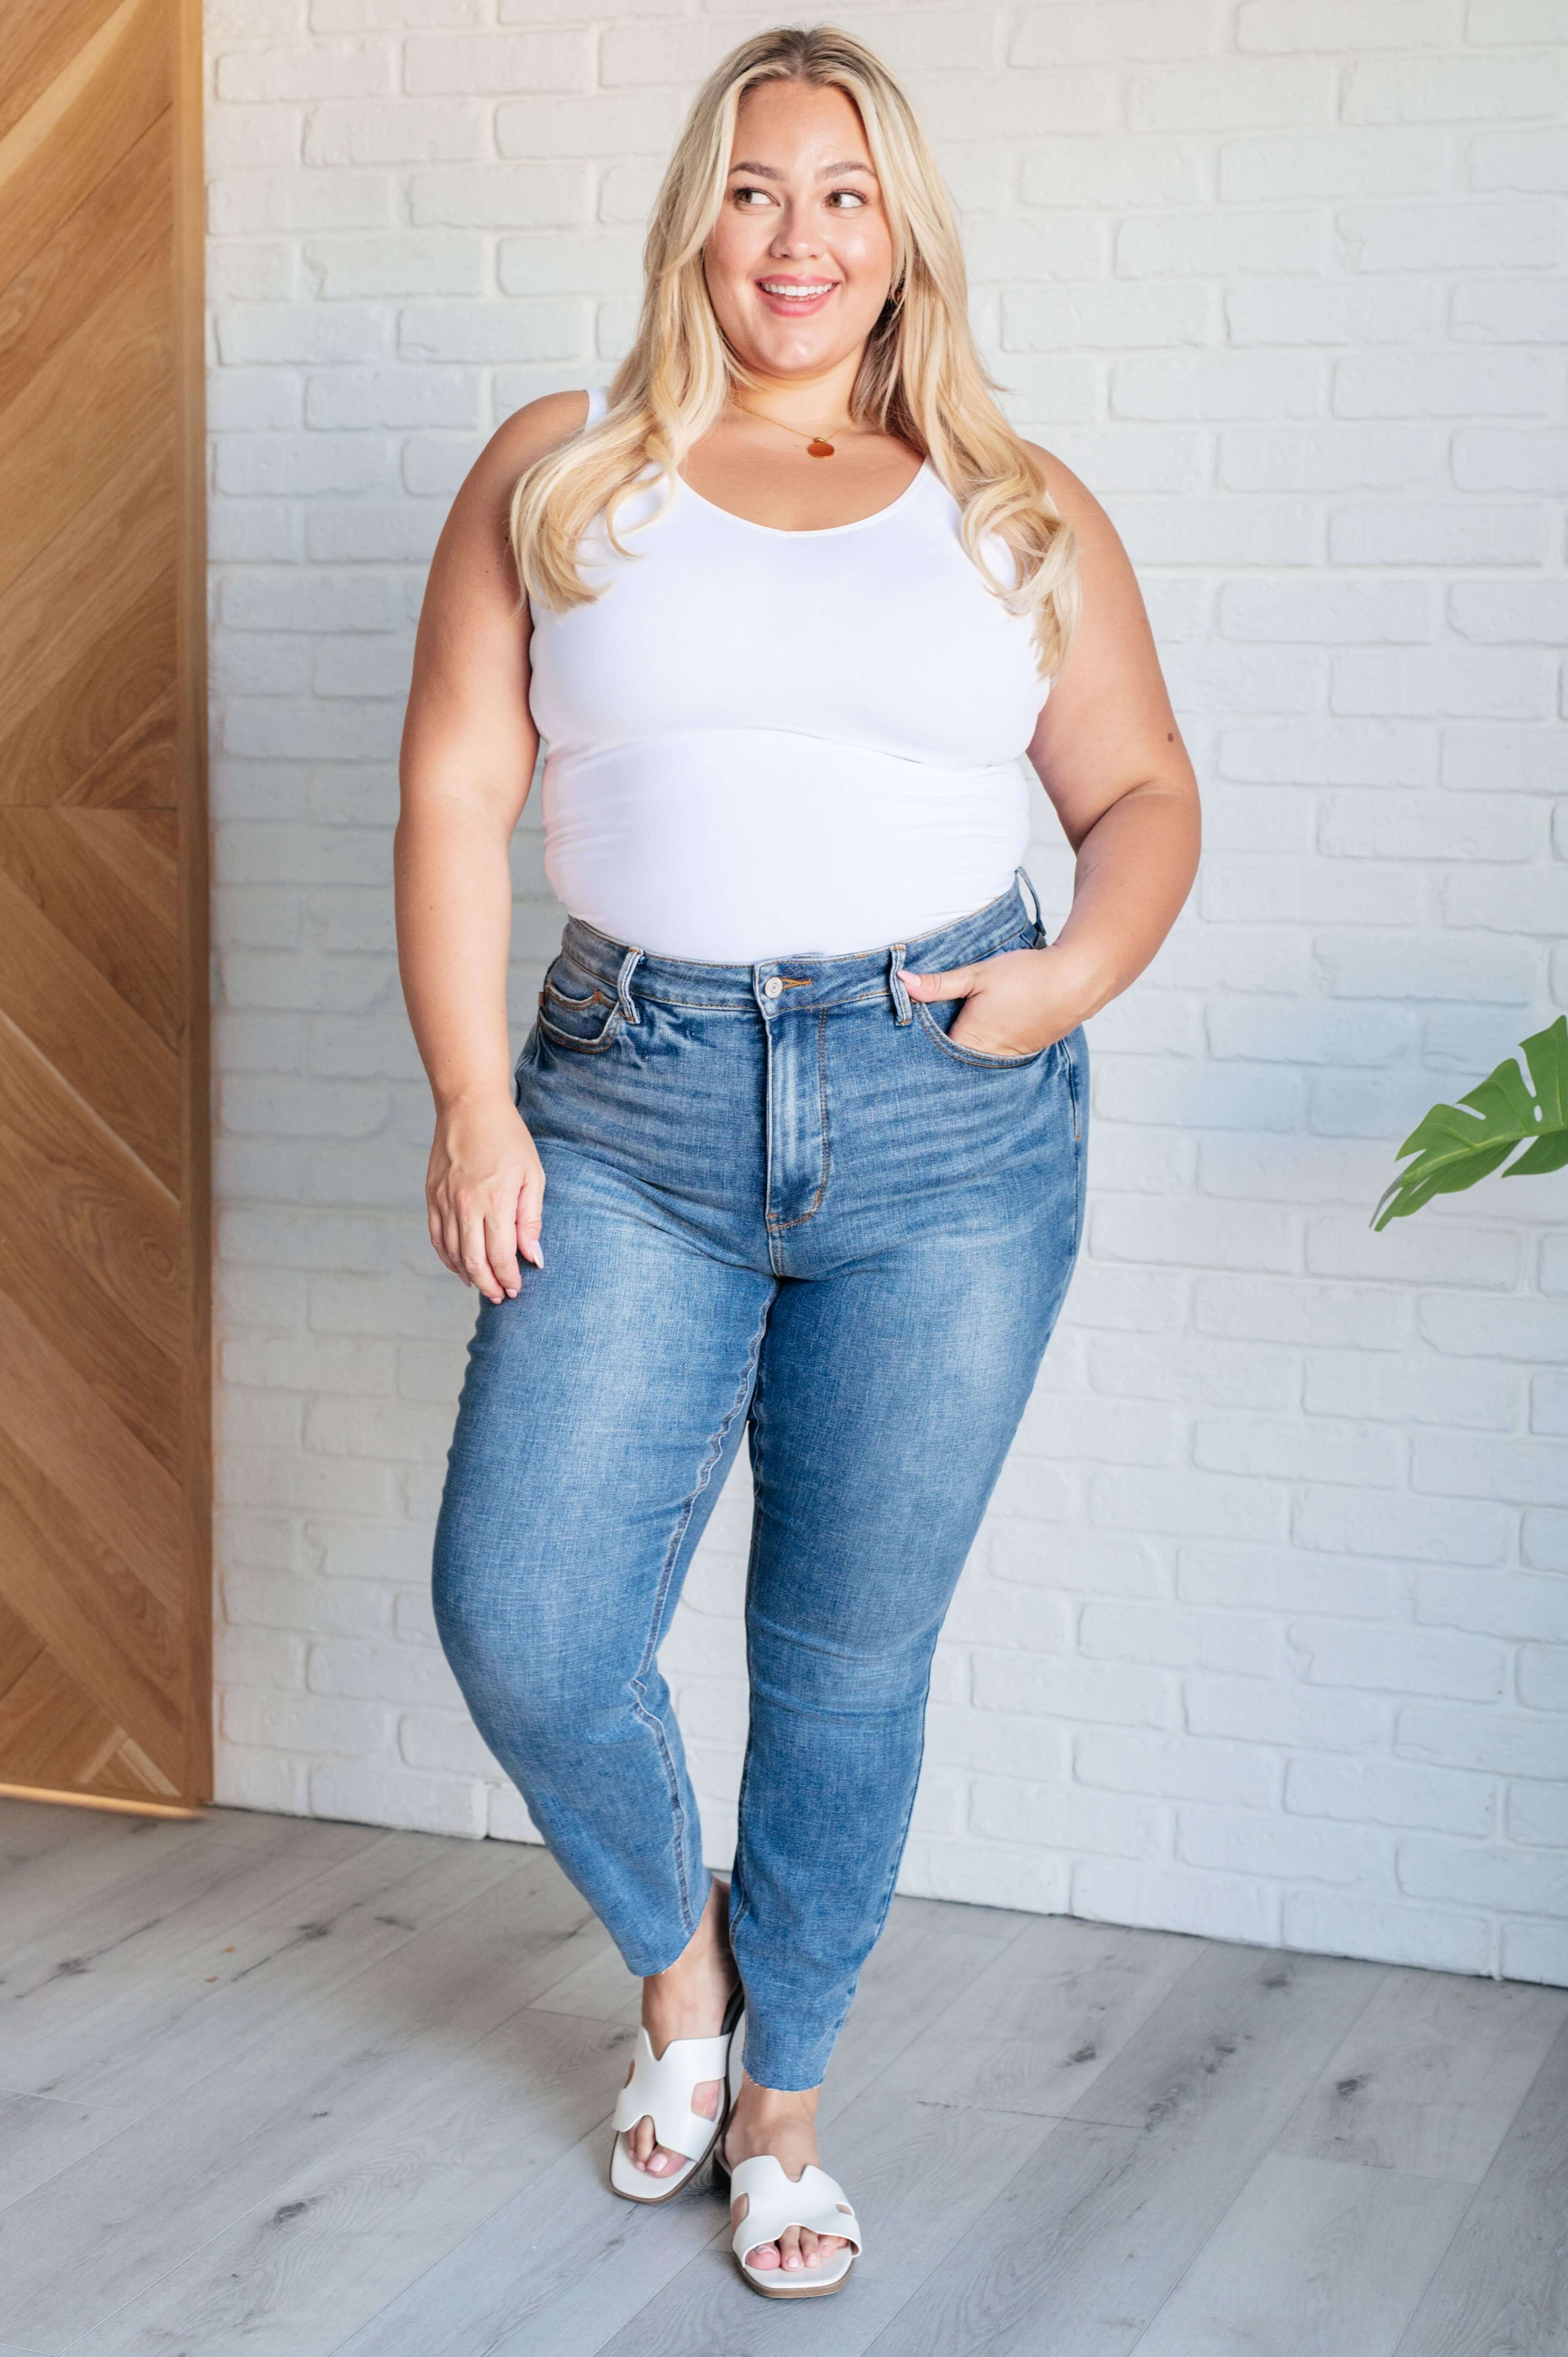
(104, 1508)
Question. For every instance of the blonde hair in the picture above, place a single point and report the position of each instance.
(920, 378)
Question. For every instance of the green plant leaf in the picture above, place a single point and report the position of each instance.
(1453, 1148)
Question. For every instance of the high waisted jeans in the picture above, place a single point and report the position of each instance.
(780, 1202)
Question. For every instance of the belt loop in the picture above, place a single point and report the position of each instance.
(1031, 899)
(629, 965)
(902, 1012)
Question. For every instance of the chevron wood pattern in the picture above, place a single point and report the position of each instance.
(104, 1482)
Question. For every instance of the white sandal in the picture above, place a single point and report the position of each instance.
(816, 2201)
(660, 2088)
(774, 2201)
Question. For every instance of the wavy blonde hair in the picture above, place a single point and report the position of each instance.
(920, 378)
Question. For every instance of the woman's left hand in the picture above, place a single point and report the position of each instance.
(1014, 1003)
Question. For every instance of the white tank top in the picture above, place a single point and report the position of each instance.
(762, 741)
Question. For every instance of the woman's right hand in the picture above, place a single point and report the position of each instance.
(484, 1194)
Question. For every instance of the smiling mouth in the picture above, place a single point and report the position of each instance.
(800, 292)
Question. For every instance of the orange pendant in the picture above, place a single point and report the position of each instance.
(819, 450)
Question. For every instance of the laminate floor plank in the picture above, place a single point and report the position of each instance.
(242, 1980)
(1430, 2078)
(33, 1829)
(326, 1838)
(125, 1959)
(1313, 2258)
(117, 1850)
(40, 1890)
(1045, 2017)
(913, 1976)
(1241, 2020)
(1501, 2289)
(329, 2246)
(40, 2136)
(1095, 2232)
(597, 1986)
(553, 2273)
(108, 2229)
(909, 1914)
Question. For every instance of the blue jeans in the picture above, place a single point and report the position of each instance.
(780, 1202)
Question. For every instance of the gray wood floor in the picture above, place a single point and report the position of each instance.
(294, 2088)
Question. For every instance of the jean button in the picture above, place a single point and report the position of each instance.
(773, 988)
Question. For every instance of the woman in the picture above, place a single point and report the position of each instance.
(807, 1084)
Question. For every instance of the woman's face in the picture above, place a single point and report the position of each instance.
(800, 260)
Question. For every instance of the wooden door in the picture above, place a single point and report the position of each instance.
(105, 1511)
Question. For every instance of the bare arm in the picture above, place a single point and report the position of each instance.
(468, 751)
(1109, 754)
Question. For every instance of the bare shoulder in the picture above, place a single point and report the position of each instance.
(1076, 503)
(473, 551)
(529, 433)
(1113, 608)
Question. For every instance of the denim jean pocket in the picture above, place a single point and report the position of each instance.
(585, 1021)
(937, 1032)
(959, 1054)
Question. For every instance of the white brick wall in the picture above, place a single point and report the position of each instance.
(1264, 1635)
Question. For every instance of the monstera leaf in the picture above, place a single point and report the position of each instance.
(1454, 1149)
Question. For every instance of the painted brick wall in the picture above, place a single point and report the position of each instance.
(1263, 1636)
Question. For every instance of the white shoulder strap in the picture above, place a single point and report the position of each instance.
(598, 402)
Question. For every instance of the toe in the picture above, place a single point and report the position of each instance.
(648, 2154)
(761, 2254)
(790, 2248)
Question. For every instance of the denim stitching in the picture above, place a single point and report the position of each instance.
(649, 1718)
(746, 1006)
(565, 957)
(780, 1227)
(646, 997)
(1081, 1154)
(956, 1053)
(594, 1047)
(758, 1487)
(895, 985)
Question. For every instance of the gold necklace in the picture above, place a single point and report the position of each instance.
(817, 444)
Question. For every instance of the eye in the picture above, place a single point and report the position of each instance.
(855, 196)
(739, 195)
